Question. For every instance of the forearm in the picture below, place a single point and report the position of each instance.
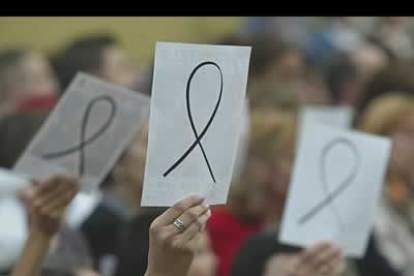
(33, 254)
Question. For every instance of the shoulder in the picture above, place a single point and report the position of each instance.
(253, 254)
(255, 251)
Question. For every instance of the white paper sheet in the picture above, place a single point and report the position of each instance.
(13, 230)
(198, 75)
(10, 183)
(335, 116)
(335, 188)
(81, 207)
(102, 116)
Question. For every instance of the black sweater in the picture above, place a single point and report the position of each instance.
(252, 257)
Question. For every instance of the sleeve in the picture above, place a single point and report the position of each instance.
(374, 263)
(134, 245)
(250, 260)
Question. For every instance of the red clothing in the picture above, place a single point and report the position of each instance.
(38, 103)
(227, 234)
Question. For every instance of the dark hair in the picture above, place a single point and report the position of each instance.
(338, 70)
(134, 243)
(266, 49)
(253, 254)
(16, 131)
(83, 54)
(397, 77)
(375, 41)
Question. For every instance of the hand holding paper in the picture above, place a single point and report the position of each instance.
(195, 122)
(335, 188)
(86, 133)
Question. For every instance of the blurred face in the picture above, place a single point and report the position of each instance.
(37, 78)
(289, 67)
(276, 190)
(256, 175)
(402, 153)
(117, 68)
(130, 169)
(205, 261)
(279, 179)
(369, 60)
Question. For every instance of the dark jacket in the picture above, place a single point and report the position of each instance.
(252, 257)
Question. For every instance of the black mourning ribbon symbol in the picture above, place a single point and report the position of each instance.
(331, 196)
(83, 140)
(197, 136)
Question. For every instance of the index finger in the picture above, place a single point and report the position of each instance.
(309, 253)
(178, 209)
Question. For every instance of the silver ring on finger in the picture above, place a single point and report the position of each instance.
(179, 224)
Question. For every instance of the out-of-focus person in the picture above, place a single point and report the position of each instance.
(337, 34)
(27, 81)
(278, 75)
(392, 115)
(394, 77)
(271, 146)
(343, 80)
(275, 135)
(69, 250)
(120, 203)
(97, 54)
(392, 32)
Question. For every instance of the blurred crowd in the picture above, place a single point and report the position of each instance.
(363, 63)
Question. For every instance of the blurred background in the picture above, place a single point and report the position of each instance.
(137, 34)
(365, 64)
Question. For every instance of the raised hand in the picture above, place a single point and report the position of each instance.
(174, 236)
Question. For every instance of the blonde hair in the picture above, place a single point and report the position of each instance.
(273, 132)
(272, 135)
(383, 115)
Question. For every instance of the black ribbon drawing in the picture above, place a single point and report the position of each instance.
(197, 136)
(331, 196)
(83, 140)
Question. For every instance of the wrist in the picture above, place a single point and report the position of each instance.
(45, 229)
(40, 236)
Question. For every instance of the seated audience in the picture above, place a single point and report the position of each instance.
(172, 249)
(27, 81)
(96, 54)
(392, 115)
(69, 246)
(274, 152)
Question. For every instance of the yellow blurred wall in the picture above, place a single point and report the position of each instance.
(137, 34)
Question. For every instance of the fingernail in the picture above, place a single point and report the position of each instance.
(208, 213)
(203, 219)
(207, 206)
